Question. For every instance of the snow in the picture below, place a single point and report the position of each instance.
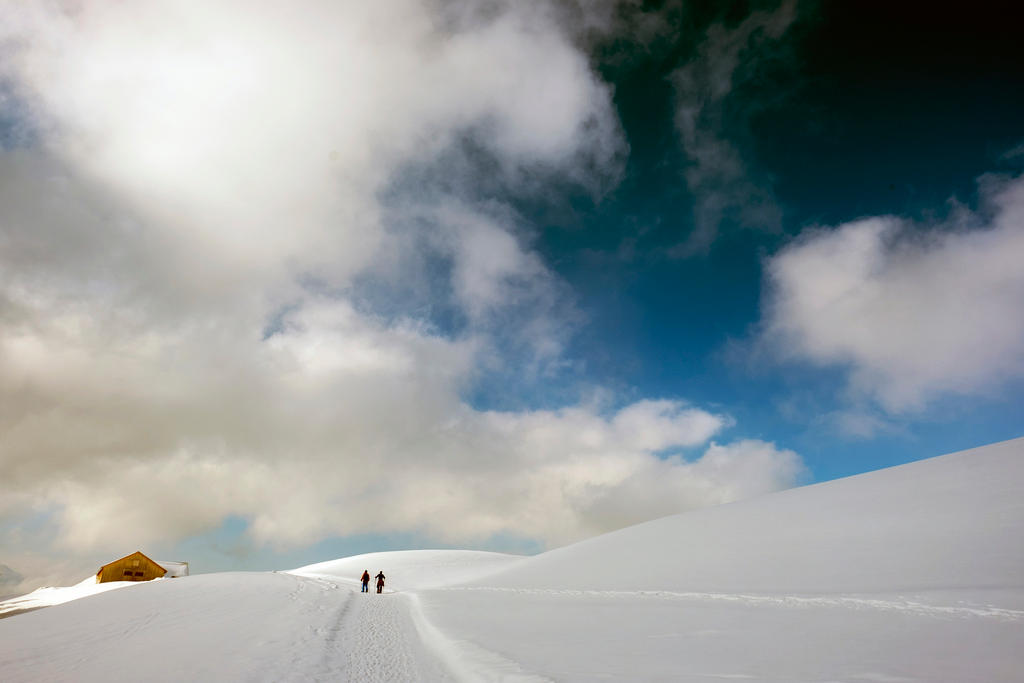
(914, 573)
(947, 522)
(174, 569)
(57, 595)
(413, 569)
(51, 595)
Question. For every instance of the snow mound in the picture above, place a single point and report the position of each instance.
(954, 521)
(413, 569)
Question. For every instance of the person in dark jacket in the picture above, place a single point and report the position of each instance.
(380, 581)
(366, 580)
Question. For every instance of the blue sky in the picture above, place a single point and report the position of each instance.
(836, 126)
(285, 285)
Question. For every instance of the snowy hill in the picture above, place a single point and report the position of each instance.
(914, 573)
(948, 522)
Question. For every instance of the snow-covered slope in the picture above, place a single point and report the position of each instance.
(955, 521)
(914, 573)
(57, 595)
(910, 574)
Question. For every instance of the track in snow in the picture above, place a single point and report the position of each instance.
(381, 638)
(381, 642)
(848, 601)
(366, 636)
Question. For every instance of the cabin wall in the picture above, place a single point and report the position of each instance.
(131, 568)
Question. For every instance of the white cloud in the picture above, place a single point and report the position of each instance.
(339, 425)
(259, 135)
(655, 487)
(914, 313)
(180, 340)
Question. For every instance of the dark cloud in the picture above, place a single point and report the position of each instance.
(723, 185)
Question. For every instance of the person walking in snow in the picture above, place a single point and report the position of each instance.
(380, 581)
(366, 580)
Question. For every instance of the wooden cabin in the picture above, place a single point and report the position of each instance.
(134, 567)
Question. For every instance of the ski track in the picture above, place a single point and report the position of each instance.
(792, 601)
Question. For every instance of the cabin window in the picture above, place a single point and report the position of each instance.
(127, 572)
(138, 573)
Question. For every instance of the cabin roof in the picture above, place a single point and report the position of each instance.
(130, 555)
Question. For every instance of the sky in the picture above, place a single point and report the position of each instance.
(280, 284)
